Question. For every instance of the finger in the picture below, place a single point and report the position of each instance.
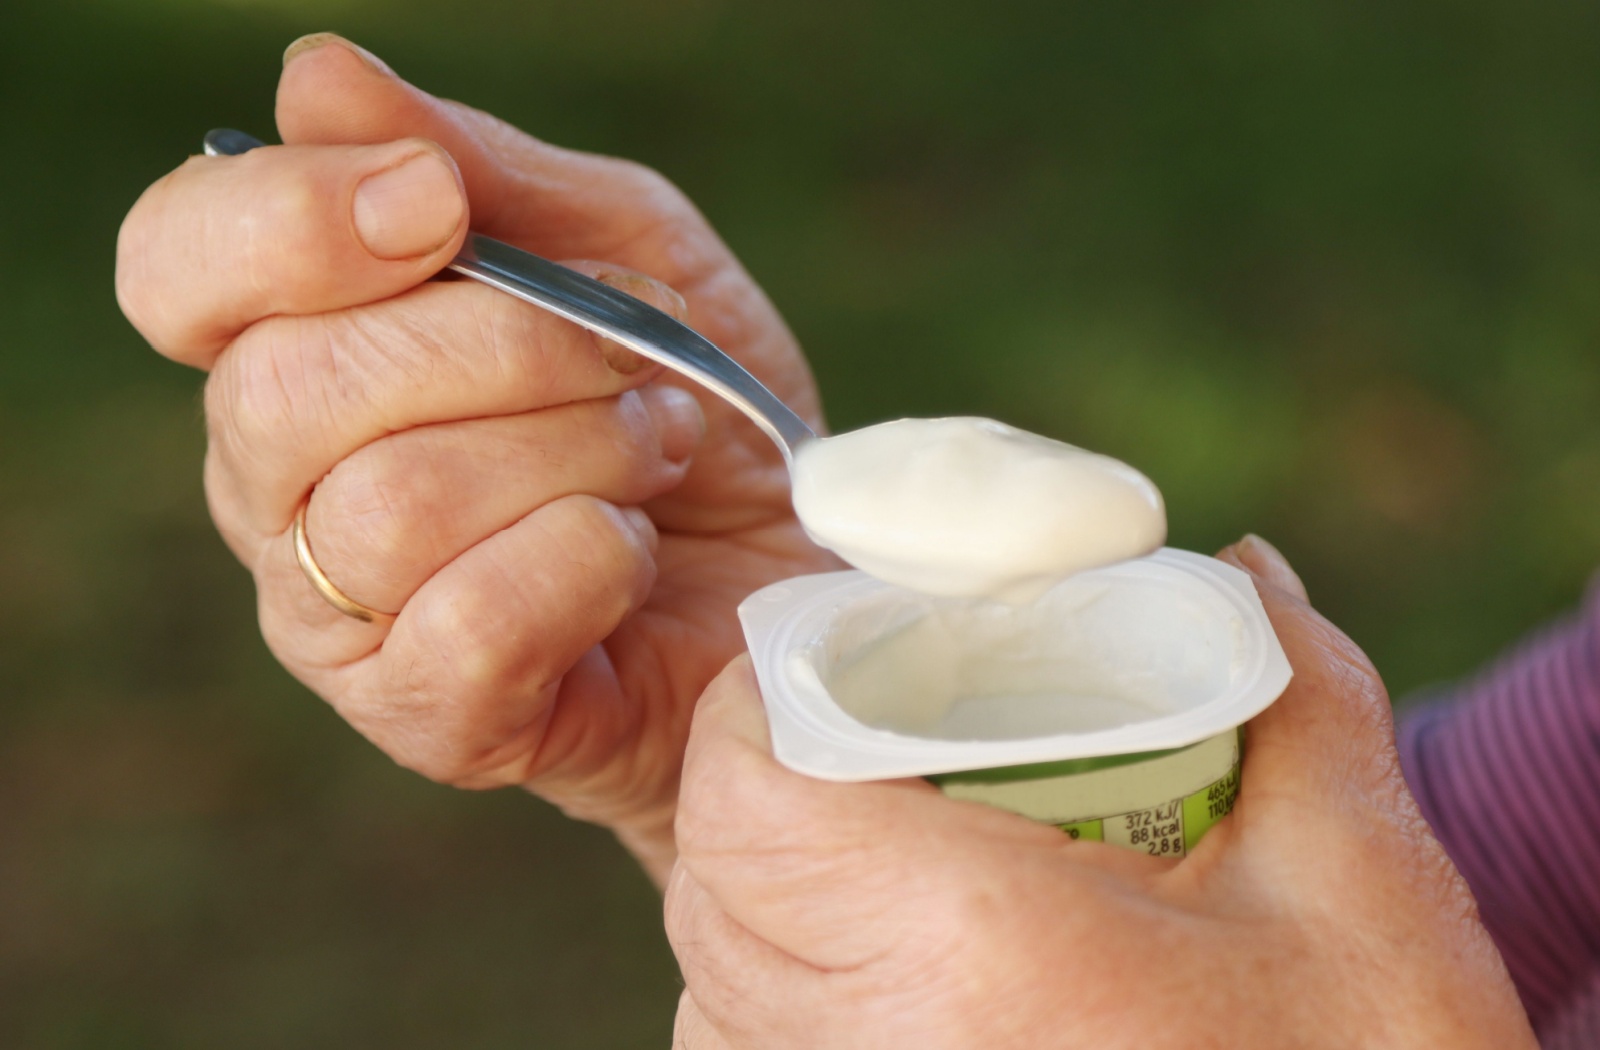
(472, 685)
(1330, 736)
(564, 203)
(837, 874)
(642, 287)
(295, 395)
(1262, 559)
(555, 201)
(749, 992)
(393, 513)
(558, 202)
(225, 241)
(691, 1030)
(1321, 775)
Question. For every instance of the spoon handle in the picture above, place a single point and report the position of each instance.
(600, 308)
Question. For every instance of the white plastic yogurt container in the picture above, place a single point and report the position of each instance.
(1110, 705)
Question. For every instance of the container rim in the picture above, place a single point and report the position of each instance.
(812, 735)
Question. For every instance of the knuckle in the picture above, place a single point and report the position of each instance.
(451, 732)
(481, 687)
(142, 294)
(227, 509)
(726, 806)
(289, 243)
(703, 943)
(132, 276)
(250, 396)
(415, 729)
(514, 336)
(142, 306)
(679, 912)
(968, 907)
(525, 348)
(416, 734)
(686, 1025)
(655, 191)
(438, 762)
(385, 507)
(595, 535)
(484, 660)
(279, 249)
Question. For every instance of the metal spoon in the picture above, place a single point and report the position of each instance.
(601, 308)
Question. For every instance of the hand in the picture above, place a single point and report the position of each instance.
(563, 530)
(1320, 913)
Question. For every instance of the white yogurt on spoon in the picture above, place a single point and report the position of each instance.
(971, 507)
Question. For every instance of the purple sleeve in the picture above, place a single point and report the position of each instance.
(1507, 772)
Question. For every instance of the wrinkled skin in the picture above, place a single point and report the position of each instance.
(1320, 913)
(563, 531)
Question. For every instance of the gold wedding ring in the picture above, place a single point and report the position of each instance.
(324, 586)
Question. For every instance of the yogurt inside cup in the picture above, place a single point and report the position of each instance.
(1017, 634)
(1076, 709)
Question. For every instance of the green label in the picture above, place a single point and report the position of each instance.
(1204, 808)
(1092, 830)
(1170, 829)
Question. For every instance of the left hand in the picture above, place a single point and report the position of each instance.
(560, 546)
(1320, 913)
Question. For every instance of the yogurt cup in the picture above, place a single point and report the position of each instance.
(1109, 706)
(1158, 802)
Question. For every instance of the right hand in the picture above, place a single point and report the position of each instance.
(1320, 913)
(562, 546)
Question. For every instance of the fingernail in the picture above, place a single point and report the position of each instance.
(408, 210)
(619, 358)
(1263, 559)
(1255, 543)
(640, 523)
(312, 41)
(679, 421)
(661, 296)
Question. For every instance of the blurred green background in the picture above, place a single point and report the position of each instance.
(1327, 271)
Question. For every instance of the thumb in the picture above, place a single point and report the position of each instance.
(225, 241)
(828, 872)
(558, 202)
(1331, 735)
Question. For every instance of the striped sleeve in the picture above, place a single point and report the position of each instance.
(1507, 772)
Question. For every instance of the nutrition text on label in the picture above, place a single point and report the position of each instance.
(1170, 829)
